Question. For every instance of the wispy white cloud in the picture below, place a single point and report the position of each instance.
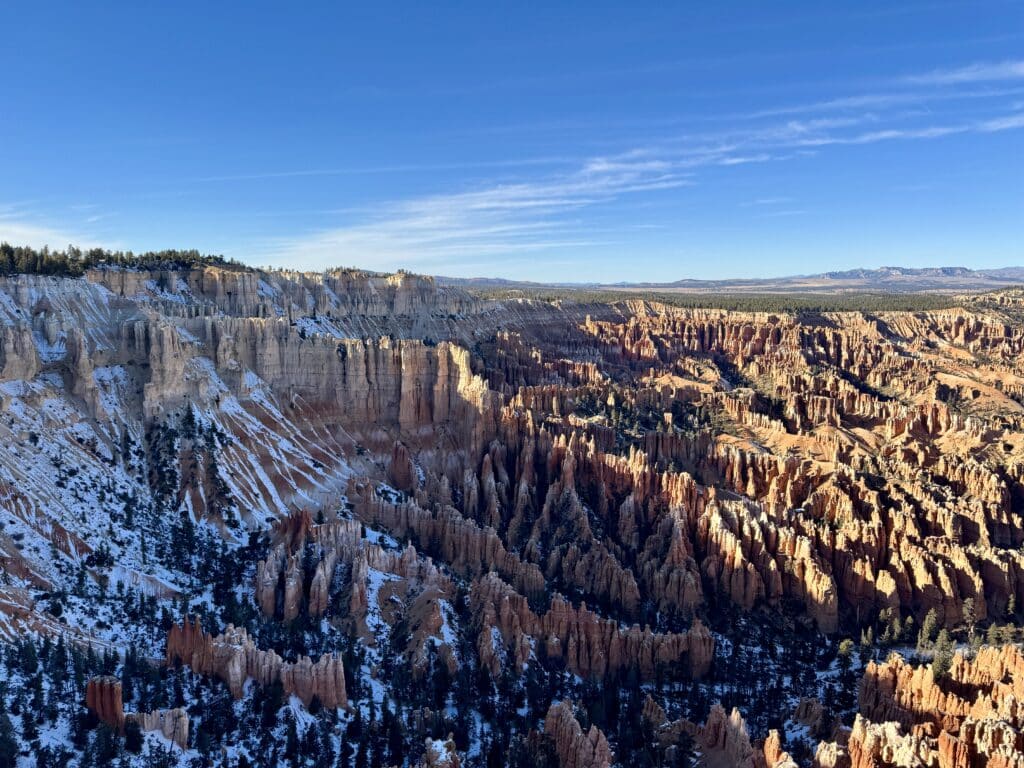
(21, 225)
(785, 213)
(554, 212)
(391, 169)
(1005, 123)
(499, 220)
(992, 125)
(979, 72)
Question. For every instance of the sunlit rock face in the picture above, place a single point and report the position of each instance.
(358, 478)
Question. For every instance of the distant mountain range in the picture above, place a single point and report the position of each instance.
(883, 279)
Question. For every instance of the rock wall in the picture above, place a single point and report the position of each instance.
(234, 658)
(103, 697)
(575, 747)
(172, 723)
(971, 717)
(590, 645)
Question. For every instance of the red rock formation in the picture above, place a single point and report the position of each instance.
(401, 470)
(103, 697)
(445, 534)
(233, 658)
(723, 738)
(574, 747)
(591, 646)
(972, 717)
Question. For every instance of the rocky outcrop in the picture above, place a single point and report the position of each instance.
(726, 735)
(234, 658)
(590, 645)
(401, 470)
(440, 754)
(18, 356)
(103, 697)
(442, 532)
(575, 747)
(332, 568)
(172, 723)
(990, 684)
(970, 717)
(723, 738)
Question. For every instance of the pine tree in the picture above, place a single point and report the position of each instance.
(943, 656)
(133, 737)
(970, 616)
(8, 742)
(927, 635)
(992, 635)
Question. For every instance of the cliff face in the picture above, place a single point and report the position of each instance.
(351, 300)
(591, 646)
(574, 747)
(234, 658)
(405, 383)
(514, 489)
(970, 717)
(103, 698)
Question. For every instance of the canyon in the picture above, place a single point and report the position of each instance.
(493, 530)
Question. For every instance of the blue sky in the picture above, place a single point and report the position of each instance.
(556, 141)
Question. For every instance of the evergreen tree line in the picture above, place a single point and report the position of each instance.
(73, 261)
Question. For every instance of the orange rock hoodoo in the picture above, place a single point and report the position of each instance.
(574, 747)
(233, 658)
(591, 646)
(315, 555)
(103, 698)
(971, 717)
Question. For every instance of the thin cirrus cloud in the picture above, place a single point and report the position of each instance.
(21, 225)
(555, 210)
(502, 219)
(544, 216)
(979, 72)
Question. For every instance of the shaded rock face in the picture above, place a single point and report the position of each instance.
(591, 646)
(234, 658)
(401, 470)
(562, 477)
(575, 747)
(172, 723)
(375, 383)
(317, 555)
(103, 698)
(18, 356)
(723, 738)
(971, 717)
